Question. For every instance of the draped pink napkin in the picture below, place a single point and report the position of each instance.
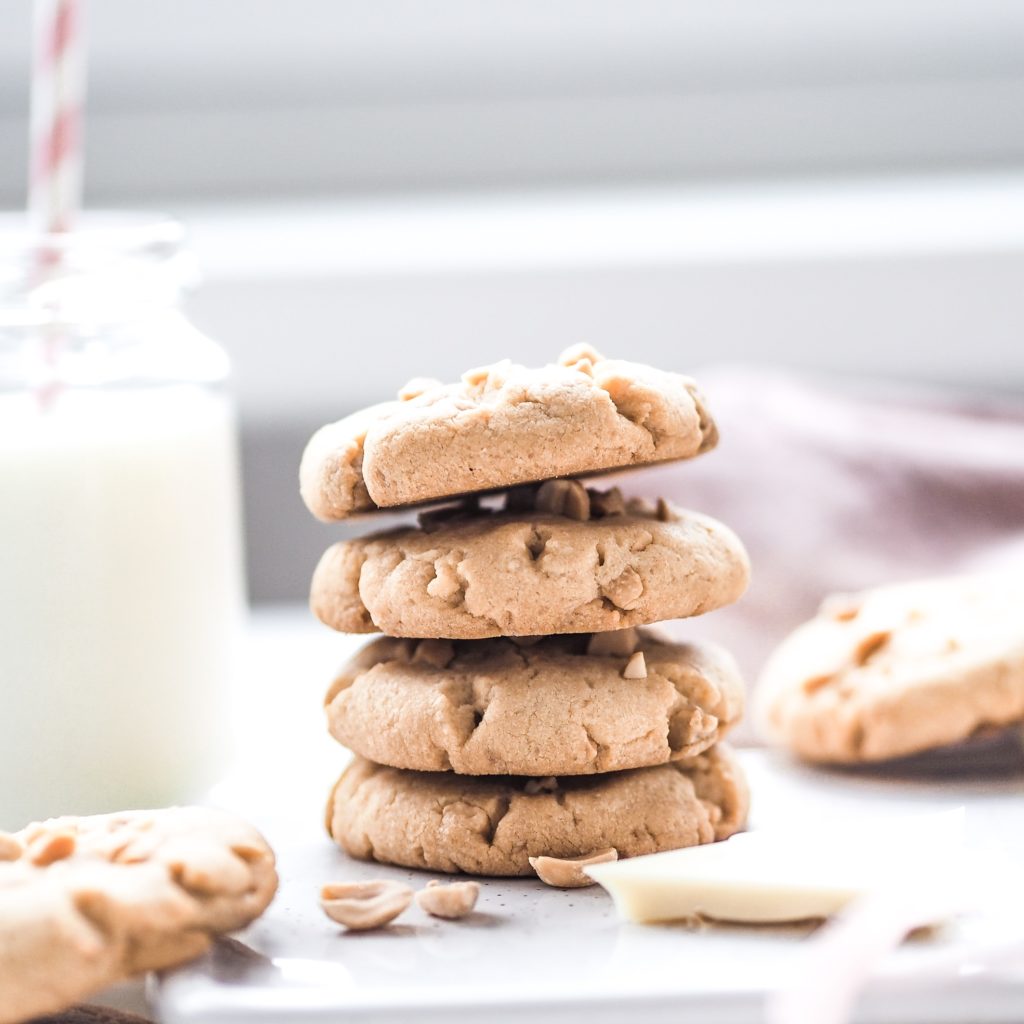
(837, 485)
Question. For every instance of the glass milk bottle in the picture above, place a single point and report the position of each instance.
(121, 587)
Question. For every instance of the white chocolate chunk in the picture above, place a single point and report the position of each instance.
(761, 877)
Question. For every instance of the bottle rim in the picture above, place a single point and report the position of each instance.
(114, 232)
(114, 265)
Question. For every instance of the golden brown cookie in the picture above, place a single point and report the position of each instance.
(503, 425)
(492, 826)
(898, 670)
(502, 707)
(85, 902)
(529, 573)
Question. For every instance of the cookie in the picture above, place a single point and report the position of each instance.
(501, 707)
(492, 826)
(898, 670)
(85, 902)
(530, 573)
(503, 425)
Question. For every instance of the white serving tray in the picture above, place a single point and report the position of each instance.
(538, 954)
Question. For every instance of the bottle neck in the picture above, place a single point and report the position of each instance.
(117, 270)
(100, 308)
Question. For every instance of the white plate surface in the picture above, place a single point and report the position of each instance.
(533, 953)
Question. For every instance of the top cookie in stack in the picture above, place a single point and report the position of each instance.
(500, 426)
(527, 674)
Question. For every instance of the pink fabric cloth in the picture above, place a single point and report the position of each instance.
(836, 487)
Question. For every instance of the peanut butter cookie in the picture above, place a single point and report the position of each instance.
(85, 902)
(898, 670)
(493, 826)
(563, 705)
(503, 425)
(596, 564)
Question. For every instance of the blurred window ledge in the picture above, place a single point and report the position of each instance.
(914, 278)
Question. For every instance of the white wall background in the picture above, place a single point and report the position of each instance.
(384, 188)
(225, 98)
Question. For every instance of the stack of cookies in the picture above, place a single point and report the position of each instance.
(514, 709)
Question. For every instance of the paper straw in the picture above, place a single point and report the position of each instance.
(58, 89)
(55, 155)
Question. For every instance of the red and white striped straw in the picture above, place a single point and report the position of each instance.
(55, 156)
(58, 91)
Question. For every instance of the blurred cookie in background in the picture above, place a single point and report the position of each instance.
(899, 670)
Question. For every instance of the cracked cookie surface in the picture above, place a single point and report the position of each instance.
(85, 902)
(898, 670)
(503, 425)
(526, 574)
(453, 823)
(495, 707)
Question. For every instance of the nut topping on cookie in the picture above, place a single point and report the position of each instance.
(581, 358)
(636, 667)
(606, 503)
(563, 498)
(567, 872)
(418, 386)
(52, 847)
(452, 901)
(360, 906)
(625, 590)
(10, 847)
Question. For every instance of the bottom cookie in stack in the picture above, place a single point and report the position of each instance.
(476, 755)
(440, 821)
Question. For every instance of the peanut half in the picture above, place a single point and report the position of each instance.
(363, 905)
(563, 498)
(452, 901)
(567, 873)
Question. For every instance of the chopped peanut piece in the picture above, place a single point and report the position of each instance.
(581, 353)
(417, 386)
(452, 901)
(10, 847)
(636, 667)
(360, 906)
(48, 849)
(563, 498)
(567, 873)
(625, 590)
(606, 503)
